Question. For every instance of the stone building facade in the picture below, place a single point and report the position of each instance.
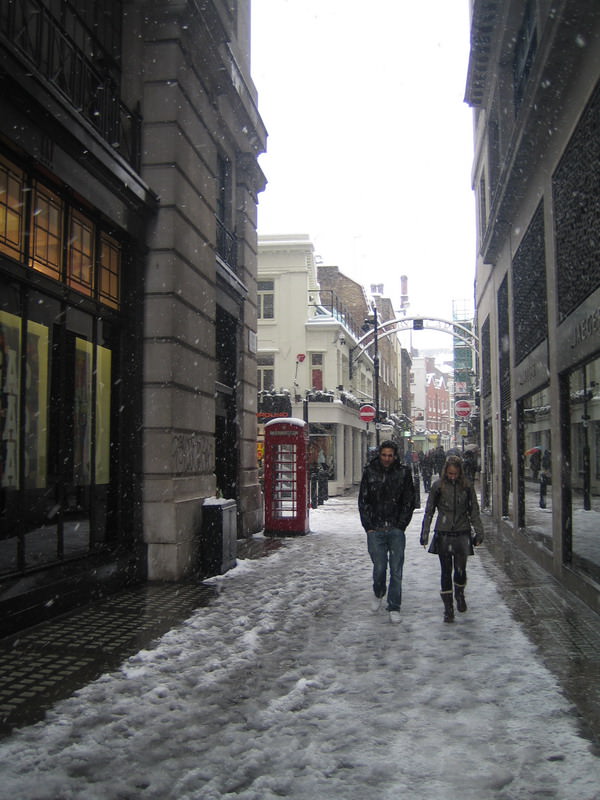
(534, 86)
(128, 165)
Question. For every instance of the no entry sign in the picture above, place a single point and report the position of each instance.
(462, 408)
(367, 413)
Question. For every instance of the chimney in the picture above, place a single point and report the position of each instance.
(404, 292)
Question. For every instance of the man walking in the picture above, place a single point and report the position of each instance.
(386, 500)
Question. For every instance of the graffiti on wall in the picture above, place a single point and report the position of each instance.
(193, 454)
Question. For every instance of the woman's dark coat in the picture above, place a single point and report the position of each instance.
(457, 509)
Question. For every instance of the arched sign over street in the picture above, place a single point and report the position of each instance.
(400, 324)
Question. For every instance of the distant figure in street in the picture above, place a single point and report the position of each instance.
(386, 501)
(427, 471)
(439, 459)
(535, 462)
(469, 464)
(457, 508)
(545, 477)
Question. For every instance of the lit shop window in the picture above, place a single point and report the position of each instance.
(110, 270)
(89, 261)
(80, 273)
(47, 232)
(11, 210)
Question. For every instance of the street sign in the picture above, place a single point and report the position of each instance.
(463, 408)
(367, 413)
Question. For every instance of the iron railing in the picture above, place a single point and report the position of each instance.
(226, 246)
(330, 304)
(32, 32)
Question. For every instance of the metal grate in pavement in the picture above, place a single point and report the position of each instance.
(44, 664)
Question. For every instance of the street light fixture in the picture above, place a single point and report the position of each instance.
(373, 321)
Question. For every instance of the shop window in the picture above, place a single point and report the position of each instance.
(266, 300)
(11, 210)
(103, 406)
(91, 260)
(536, 479)
(36, 405)
(322, 449)
(57, 399)
(110, 270)
(584, 418)
(80, 270)
(47, 232)
(10, 374)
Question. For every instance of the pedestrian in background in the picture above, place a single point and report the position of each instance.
(545, 477)
(439, 458)
(535, 461)
(469, 465)
(427, 471)
(386, 501)
(455, 500)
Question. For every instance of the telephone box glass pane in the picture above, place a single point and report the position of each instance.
(284, 494)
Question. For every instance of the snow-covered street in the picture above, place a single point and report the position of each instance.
(288, 686)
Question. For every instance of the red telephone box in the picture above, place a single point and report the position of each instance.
(286, 477)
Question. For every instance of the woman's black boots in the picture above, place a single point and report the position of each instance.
(459, 593)
(448, 606)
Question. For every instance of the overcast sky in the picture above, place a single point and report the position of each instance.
(370, 142)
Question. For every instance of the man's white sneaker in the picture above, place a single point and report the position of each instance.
(395, 616)
(376, 604)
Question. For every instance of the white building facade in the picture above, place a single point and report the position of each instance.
(305, 357)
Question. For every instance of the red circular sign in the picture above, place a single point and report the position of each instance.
(462, 408)
(367, 413)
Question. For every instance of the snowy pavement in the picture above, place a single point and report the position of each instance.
(287, 686)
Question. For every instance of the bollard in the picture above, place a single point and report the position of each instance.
(323, 493)
(314, 490)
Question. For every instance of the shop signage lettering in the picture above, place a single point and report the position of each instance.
(590, 326)
(528, 375)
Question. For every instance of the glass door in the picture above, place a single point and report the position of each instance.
(57, 427)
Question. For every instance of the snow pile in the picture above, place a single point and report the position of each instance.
(286, 686)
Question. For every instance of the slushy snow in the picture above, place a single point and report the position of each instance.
(287, 686)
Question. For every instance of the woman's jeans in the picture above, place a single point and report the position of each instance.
(387, 546)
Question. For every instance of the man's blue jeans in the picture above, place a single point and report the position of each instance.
(387, 546)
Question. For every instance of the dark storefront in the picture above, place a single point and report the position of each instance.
(67, 496)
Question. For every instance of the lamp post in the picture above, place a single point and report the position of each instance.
(373, 320)
(376, 367)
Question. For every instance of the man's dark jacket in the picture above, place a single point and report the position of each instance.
(386, 497)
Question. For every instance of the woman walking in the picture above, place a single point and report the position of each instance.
(454, 498)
